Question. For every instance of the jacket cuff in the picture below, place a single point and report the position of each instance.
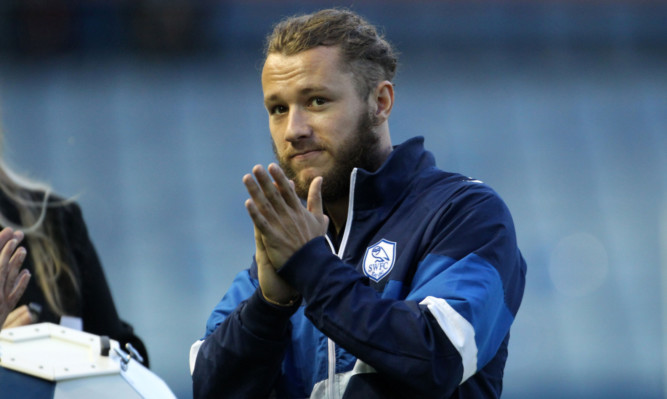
(305, 269)
(264, 319)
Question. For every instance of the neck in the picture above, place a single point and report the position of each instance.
(337, 211)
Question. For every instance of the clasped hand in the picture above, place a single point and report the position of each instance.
(282, 224)
(13, 280)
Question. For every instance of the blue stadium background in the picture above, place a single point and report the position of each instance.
(152, 112)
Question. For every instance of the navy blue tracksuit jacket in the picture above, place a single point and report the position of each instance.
(415, 299)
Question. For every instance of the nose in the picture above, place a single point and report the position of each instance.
(298, 126)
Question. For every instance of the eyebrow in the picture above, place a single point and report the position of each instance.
(303, 92)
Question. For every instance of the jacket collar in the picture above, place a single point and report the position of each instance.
(388, 184)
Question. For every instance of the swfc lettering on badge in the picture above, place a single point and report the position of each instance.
(379, 259)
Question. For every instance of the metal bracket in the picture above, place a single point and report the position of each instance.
(134, 353)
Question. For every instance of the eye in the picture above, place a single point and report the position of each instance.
(317, 101)
(278, 109)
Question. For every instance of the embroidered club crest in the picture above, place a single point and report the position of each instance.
(379, 259)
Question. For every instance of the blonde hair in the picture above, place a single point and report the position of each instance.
(365, 51)
(32, 201)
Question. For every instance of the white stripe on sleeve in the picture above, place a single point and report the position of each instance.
(459, 331)
(194, 350)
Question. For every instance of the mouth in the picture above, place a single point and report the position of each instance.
(306, 154)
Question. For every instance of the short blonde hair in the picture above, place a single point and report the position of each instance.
(370, 57)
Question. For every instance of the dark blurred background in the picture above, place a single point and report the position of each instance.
(151, 112)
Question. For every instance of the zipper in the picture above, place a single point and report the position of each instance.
(331, 385)
(331, 345)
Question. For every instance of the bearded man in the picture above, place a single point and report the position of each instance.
(395, 279)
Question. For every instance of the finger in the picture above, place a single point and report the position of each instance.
(15, 265)
(18, 236)
(258, 194)
(251, 186)
(5, 255)
(284, 185)
(19, 287)
(16, 313)
(18, 317)
(314, 202)
(270, 189)
(257, 217)
(5, 235)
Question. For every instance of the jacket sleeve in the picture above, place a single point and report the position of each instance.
(245, 343)
(458, 308)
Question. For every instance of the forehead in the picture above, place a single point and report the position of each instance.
(319, 67)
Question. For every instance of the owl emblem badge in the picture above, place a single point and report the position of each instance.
(379, 259)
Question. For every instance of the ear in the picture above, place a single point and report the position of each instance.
(383, 97)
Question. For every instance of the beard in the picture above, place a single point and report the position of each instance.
(360, 152)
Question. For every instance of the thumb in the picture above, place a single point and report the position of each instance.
(314, 202)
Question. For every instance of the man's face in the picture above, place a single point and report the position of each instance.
(319, 124)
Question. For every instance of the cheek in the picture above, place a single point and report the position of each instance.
(277, 145)
(277, 137)
(337, 126)
(274, 130)
(343, 128)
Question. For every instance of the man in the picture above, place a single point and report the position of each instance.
(396, 279)
(13, 281)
